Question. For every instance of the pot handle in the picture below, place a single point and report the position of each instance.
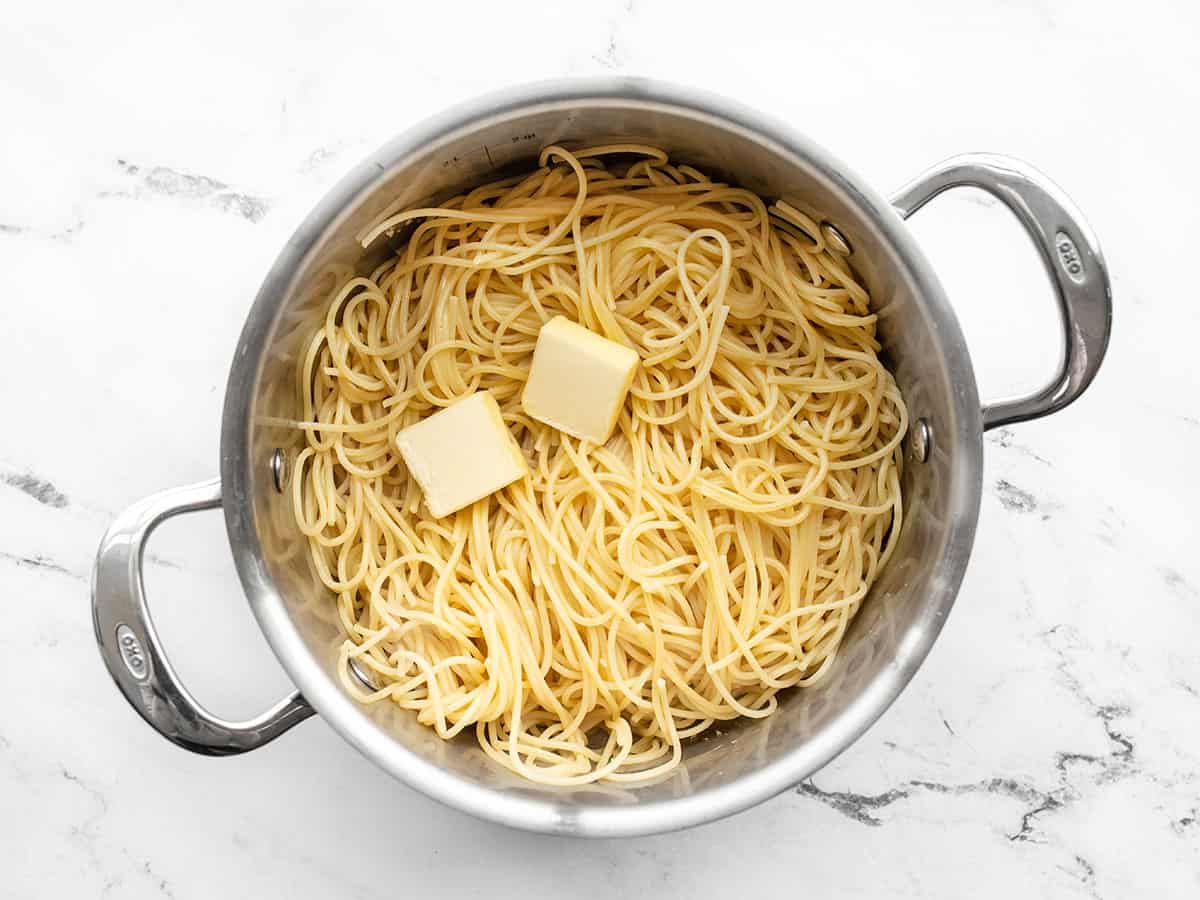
(1069, 251)
(131, 648)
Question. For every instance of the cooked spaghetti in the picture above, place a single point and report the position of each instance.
(589, 618)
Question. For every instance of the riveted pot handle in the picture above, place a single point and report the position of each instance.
(1069, 251)
(131, 648)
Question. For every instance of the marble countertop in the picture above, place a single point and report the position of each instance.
(153, 163)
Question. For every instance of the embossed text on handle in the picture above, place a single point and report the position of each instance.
(132, 653)
(1068, 257)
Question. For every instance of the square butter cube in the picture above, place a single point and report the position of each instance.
(578, 380)
(461, 453)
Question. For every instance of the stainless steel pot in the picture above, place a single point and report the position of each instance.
(742, 763)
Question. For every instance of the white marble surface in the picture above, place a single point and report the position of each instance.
(152, 162)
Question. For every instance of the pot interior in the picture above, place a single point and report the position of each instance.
(731, 765)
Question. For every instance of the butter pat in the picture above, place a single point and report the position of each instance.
(461, 453)
(578, 380)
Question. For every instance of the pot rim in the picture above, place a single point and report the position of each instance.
(345, 715)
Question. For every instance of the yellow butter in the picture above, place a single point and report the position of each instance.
(578, 380)
(461, 453)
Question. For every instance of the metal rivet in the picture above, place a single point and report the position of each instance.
(835, 239)
(362, 676)
(279, 469)
(922, 439)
